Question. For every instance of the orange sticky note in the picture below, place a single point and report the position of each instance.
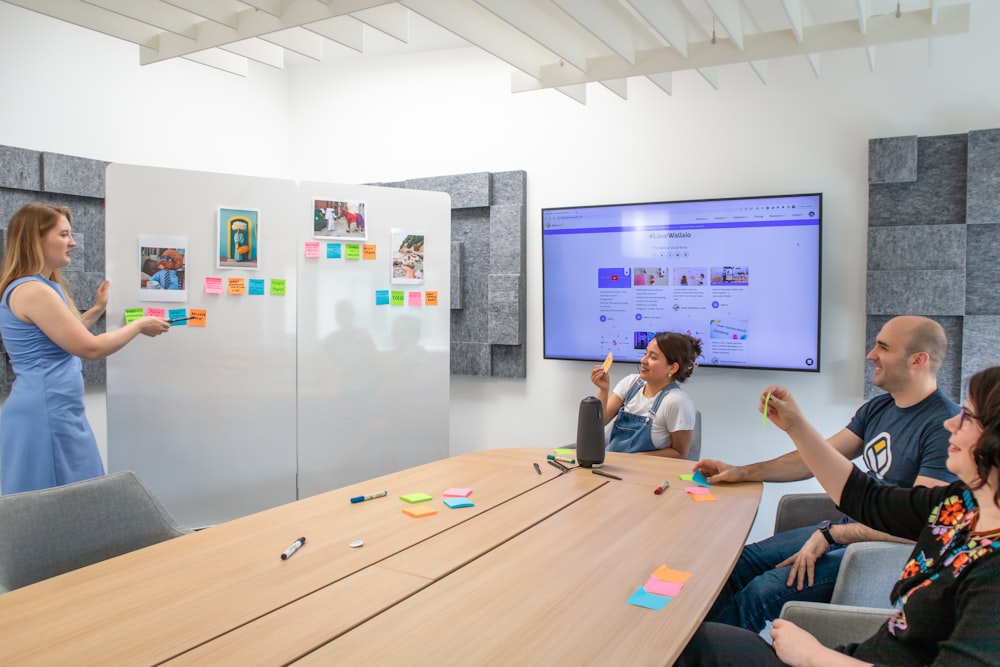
(704, 498)
(237, 286)
(368, 251)
(198, 317)
(607, 362)
(431, 298)
(419, 511)
(664, 573)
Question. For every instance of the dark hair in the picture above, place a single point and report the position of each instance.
(984, 394)
(681, 349)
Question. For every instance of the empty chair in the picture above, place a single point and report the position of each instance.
(694, 452)
(796, 510)
(46, 533)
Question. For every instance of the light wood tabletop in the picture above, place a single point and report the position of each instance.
(538, 571)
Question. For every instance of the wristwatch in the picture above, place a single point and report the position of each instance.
(824, 527)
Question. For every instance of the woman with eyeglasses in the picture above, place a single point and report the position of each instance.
(948, 596)
(45, 439)
(648, 412)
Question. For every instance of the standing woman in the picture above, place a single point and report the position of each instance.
(45, 439)
(650, 412)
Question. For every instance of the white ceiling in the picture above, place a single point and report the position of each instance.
(561, 44)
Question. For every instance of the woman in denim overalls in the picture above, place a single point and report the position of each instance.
(649, 410)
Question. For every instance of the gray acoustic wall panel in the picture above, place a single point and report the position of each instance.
(456, 275)
(983, 201)
(892, 160)
(61, 180)
(933, 245)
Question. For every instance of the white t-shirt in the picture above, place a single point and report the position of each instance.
(676, 411)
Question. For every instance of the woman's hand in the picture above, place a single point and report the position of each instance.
(600, 378)
(152, 326)
(797, 648)
(101, 297)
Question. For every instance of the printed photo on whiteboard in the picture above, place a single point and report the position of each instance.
(407, 257)
(343, 220)
(161, 268)
(238, 238)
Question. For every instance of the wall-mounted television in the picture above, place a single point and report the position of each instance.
(741, 274)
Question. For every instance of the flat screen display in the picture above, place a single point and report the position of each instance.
(741, 274)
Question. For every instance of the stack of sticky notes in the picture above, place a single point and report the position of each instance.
(564, 452)
(700, 493)
(662, 586)
(456, 497)
(417, 511)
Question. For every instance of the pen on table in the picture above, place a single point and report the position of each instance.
(371, 496)
(662, 487)
(557, 465)
(180, 319)
(537, 469)
(604, 474)
(292, 549)
(564, 459)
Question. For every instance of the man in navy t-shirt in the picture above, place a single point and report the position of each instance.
(900, 437)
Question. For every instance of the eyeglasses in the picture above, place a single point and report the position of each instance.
(964, 415)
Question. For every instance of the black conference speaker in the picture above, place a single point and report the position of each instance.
(590, 433)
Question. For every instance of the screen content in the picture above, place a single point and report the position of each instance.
(743, 275)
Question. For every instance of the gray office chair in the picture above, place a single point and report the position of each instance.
(860, 601)
(694, 453)
(52, 531)
(796, 510)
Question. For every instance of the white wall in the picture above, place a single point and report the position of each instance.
(384, 119)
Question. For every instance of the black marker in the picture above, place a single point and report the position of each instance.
(560, 467)
(604, 474)
(537, 469)
(180, 319)
(292, 549)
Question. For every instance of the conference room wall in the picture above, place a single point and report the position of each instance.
(384, 119)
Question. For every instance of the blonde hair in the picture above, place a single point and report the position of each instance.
(23, 255)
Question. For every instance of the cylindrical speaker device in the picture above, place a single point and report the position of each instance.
(590, 433)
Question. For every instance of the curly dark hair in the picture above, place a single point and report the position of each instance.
(984, 394)
(681, 349)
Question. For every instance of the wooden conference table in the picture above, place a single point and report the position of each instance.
(539, 571)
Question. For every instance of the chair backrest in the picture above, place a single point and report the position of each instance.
(868, 571)
(796, 510)
(694, 452)
(52, 531)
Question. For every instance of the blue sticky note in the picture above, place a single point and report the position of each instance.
(458, 502)
(648, 600)
(257, 286)
(333, 251)
(698, 478)
(177, 314)
(381, 297)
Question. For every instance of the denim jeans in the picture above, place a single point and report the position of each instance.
(756, 591)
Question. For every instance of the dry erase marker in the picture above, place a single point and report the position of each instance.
(564, 459)
(292, 549)
(604, 474)
(359, 499)
(662, 487)
(180, 319)
(537, 469)
(557, 465)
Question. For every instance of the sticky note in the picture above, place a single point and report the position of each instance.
(368, 251)
(699, 478)
(199, 317)
(381, 297)
(396, 298)
(213, 285)
(564, 452)
(664, 573)
(431, 298)
(706, 498)
(415, 299)
(352, 251)
(697, 490)
(415, 497)
(457, 493)
(643, 599)
(763, 421)
(312, 249)
(455, 503)
(607, 362)
(421, 511)
(256, 287)
(333, 251)
(659, 587)
(237, 286)
(687, 478)
(176, 314)
(132, 314)
(277, 287)
(156, 312)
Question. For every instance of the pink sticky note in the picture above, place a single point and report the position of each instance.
(156, 312)
(660, 587)
(415, 299)
(457, 493)
(213, 285)
(697, 490)
(312, 249)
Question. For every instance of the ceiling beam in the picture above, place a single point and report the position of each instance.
(604, 24)
(671, 20)
(540, 23)
(390, 19)
(729, 13)
(345, 30)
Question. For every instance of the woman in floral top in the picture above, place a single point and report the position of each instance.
(948, 598)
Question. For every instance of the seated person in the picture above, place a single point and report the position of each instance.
(948, 597)
(648, 412)
(900, 438)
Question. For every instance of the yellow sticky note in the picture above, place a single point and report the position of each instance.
(664, 573)
(419, 511)
(607, 362)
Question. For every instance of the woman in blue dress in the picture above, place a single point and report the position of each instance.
(45, 439)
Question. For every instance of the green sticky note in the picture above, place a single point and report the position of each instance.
(688, 477)
(353, 251)
(564, 452)
(416, 497)
(397, 298)
(132, 314)
(277, 287)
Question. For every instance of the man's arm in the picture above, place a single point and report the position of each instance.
(786, 468)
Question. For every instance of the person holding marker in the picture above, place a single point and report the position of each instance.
(45, 439)
(648, 412)
(947, 598)
(899, 436)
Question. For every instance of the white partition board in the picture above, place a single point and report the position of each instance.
(264, 405)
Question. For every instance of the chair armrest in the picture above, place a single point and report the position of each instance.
(868, 571)
(835, 624)
(796, 510)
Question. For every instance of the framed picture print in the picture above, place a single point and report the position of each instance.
(339, 220)
(239, 233)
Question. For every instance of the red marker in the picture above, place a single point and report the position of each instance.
(662, 487)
